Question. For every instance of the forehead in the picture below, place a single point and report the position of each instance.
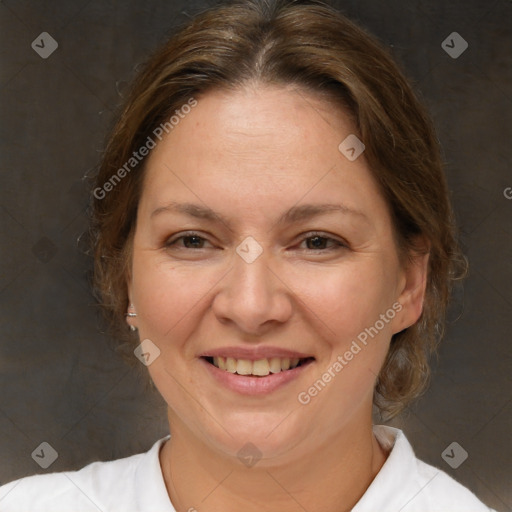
(258, 123)
(276, 143)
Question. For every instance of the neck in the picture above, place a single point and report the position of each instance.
(332, 478)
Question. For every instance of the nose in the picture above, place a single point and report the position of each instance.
(253, 297)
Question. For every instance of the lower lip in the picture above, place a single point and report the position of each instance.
(249, 385)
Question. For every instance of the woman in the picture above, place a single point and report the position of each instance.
(271, 221)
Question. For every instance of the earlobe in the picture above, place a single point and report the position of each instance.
(412, 290)
(130, 315)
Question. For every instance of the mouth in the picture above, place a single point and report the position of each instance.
(257, 368)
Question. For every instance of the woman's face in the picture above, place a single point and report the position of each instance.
(259, 269)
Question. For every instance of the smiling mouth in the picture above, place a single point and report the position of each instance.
(259, 368)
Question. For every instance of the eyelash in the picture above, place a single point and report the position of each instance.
(339, 244)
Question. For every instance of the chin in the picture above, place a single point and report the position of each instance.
(267, 436)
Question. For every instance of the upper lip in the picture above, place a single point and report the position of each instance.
(254, 353)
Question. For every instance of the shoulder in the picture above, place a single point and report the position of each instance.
(98, 486)
(408, 484)
(443, 490)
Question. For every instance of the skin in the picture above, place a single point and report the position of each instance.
(250, 155)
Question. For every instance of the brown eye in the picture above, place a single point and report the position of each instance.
(317, 242)
(189, 241)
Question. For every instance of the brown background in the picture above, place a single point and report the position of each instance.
(61, 381)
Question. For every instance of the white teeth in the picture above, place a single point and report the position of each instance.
(243, 367)
(275, 365)
(261, 367)
(230, 365)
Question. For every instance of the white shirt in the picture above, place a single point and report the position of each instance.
(136, 484)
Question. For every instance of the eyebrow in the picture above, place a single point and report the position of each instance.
(293, 215)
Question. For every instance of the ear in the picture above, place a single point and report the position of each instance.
(412, 286)
(128, 282)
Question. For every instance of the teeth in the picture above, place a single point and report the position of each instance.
(261, 368)
(243, 367)
(275, 365)
(230, 364)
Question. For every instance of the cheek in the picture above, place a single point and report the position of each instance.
(349, 304)
(346, 299)
(166, 293)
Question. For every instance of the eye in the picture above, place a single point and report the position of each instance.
(319, 242)
(315, 242)
(191, 240)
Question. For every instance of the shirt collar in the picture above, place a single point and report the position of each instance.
(150, 490)
(397, 473)
(384, 493)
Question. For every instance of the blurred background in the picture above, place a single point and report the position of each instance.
(64, 66)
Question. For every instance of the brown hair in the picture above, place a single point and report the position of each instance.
(310, 45)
